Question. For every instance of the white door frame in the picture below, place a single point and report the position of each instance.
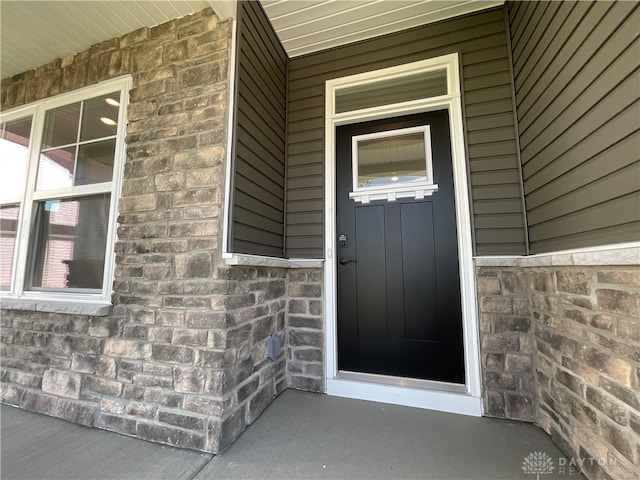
(464, 399)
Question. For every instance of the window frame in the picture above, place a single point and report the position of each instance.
(19, 295)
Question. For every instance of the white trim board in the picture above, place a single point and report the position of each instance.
(471, 402)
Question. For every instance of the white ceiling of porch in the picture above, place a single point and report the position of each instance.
(34, 33)
(306, 26)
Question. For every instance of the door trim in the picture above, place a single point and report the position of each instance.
(468, 402)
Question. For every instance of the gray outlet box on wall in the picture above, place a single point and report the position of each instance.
(273, 346)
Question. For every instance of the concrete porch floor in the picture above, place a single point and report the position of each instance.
(300, 436)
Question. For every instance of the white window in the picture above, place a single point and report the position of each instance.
(392, 164)
(61, 161)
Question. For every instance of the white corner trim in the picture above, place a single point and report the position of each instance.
(608, 255)
(228, 168)
(237, 259)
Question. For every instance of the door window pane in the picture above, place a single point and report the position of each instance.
(100, 117)
(391, 160)
(8, 231)
(14, 156)
(394, 90)
(69, 243)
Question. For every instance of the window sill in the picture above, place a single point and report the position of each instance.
(621, 254)
(95, 309)
(260, 261)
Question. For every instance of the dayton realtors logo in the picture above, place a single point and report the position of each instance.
(538, 463)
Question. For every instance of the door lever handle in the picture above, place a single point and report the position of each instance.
(345, 260)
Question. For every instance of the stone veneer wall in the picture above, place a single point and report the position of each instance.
(180, 359)
(305, 322)
(581, 341)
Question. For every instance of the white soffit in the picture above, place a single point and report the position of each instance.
(306, 26)
(34, 33)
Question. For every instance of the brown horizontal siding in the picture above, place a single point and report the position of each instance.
(257, 225)
(481, 40)
(577, 84)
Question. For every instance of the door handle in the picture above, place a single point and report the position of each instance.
(345, 260)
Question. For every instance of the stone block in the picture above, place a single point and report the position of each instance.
(488, 286)
(188, 380)
(299, 321)
(170, 435)
(260, 401)
(77, 412)
(83, 363)
(629, 278)
(248, 389)
(120, 424)
(542, 282)
(501, 343)
(500, 380)
(162, 397)
(60, 345)
(39, 402)
(308, 354)
(179, 419)
(299, 382)
(496, 305)
(141, 410)
(61, 383)
(305, 291)
(495, 405)
(103, 327)
(618, 438)
(11, 394)
(514, 283)
(103, 386)
(204, 405)
(231, 427)
(576, 282)
(148, 380)
(303, 338)
(618, 301)
(25, 379)
(188, 337)
(172, 354)
(608, 405)
(519, 407)
(127, 348)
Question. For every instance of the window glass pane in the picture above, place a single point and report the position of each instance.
(100, 117)
(398, 159)
(61, 126)
(8, 231)
(95, 162)
(14, 157)
(69, 243)
(55, 169)
(395, 90)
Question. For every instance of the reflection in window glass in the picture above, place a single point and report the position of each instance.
(68, 159)
(69, 243)
(95, 162)
(395, 90)
(8, 231)
(14, 156)
(61, 126)
(55, 169)
(100, 117)
(392, 160)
